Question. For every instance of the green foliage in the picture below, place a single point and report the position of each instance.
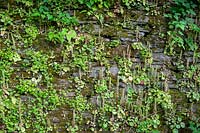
(53, 12)
(56, 36)
(175, 123)
(81, 61)
(95, 4)
(161, 98)
(180, 33)
(27, 3)
(113, 43)
(59, 17)
(193, 96)
(145, 53)
(73, 129)
(82, 53)
(8, 57)
(109, 124)
(131, 97)
(31, 31)
(101, 87)
(141, 76)
(35, 82)
(191, 85)
(39, 66)
(124, 66)
(25, 104)
(61, 36)
(31, 34)
(27, 87)
(78, 103)
(9, 113)
(148, 124)
(195, 127)
(132, 3)
(6, 19)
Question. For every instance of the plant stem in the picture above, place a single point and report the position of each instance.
(122, 96)
(80, 73)
(20, 115)
(103, 101)
(117, 88)
(74, 118)
(155, 106)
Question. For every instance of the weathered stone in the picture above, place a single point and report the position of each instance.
(96, 71)
(143, 19)
(55, 120)
(62, 83)
(161, 57)
(114, 70)
(122, 85)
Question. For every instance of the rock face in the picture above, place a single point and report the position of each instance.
(139, 28)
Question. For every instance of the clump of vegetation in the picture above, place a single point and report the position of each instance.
(183, 28)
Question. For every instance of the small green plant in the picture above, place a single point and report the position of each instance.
(193, 96)
(141, 77)
(6, 19)
(73, 129)
(9, 105)
(195, 127)
(82, 53)
(125, 69)
(180, 33)
(50, 12)
(149, 124)
(39, 66)
(101, 86)
(31, 34)
(27, 103)
(100, 55)
(175, 123)
(113, 122)
(64, 38)
(27, 3)
(145, 53)
(79, 103)
(8, 58)
(113, 43)
(132, 3)
(81, 61)
(132, 121)
(56, 36)
(160, 98)
(131, 98)
(95, 4)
